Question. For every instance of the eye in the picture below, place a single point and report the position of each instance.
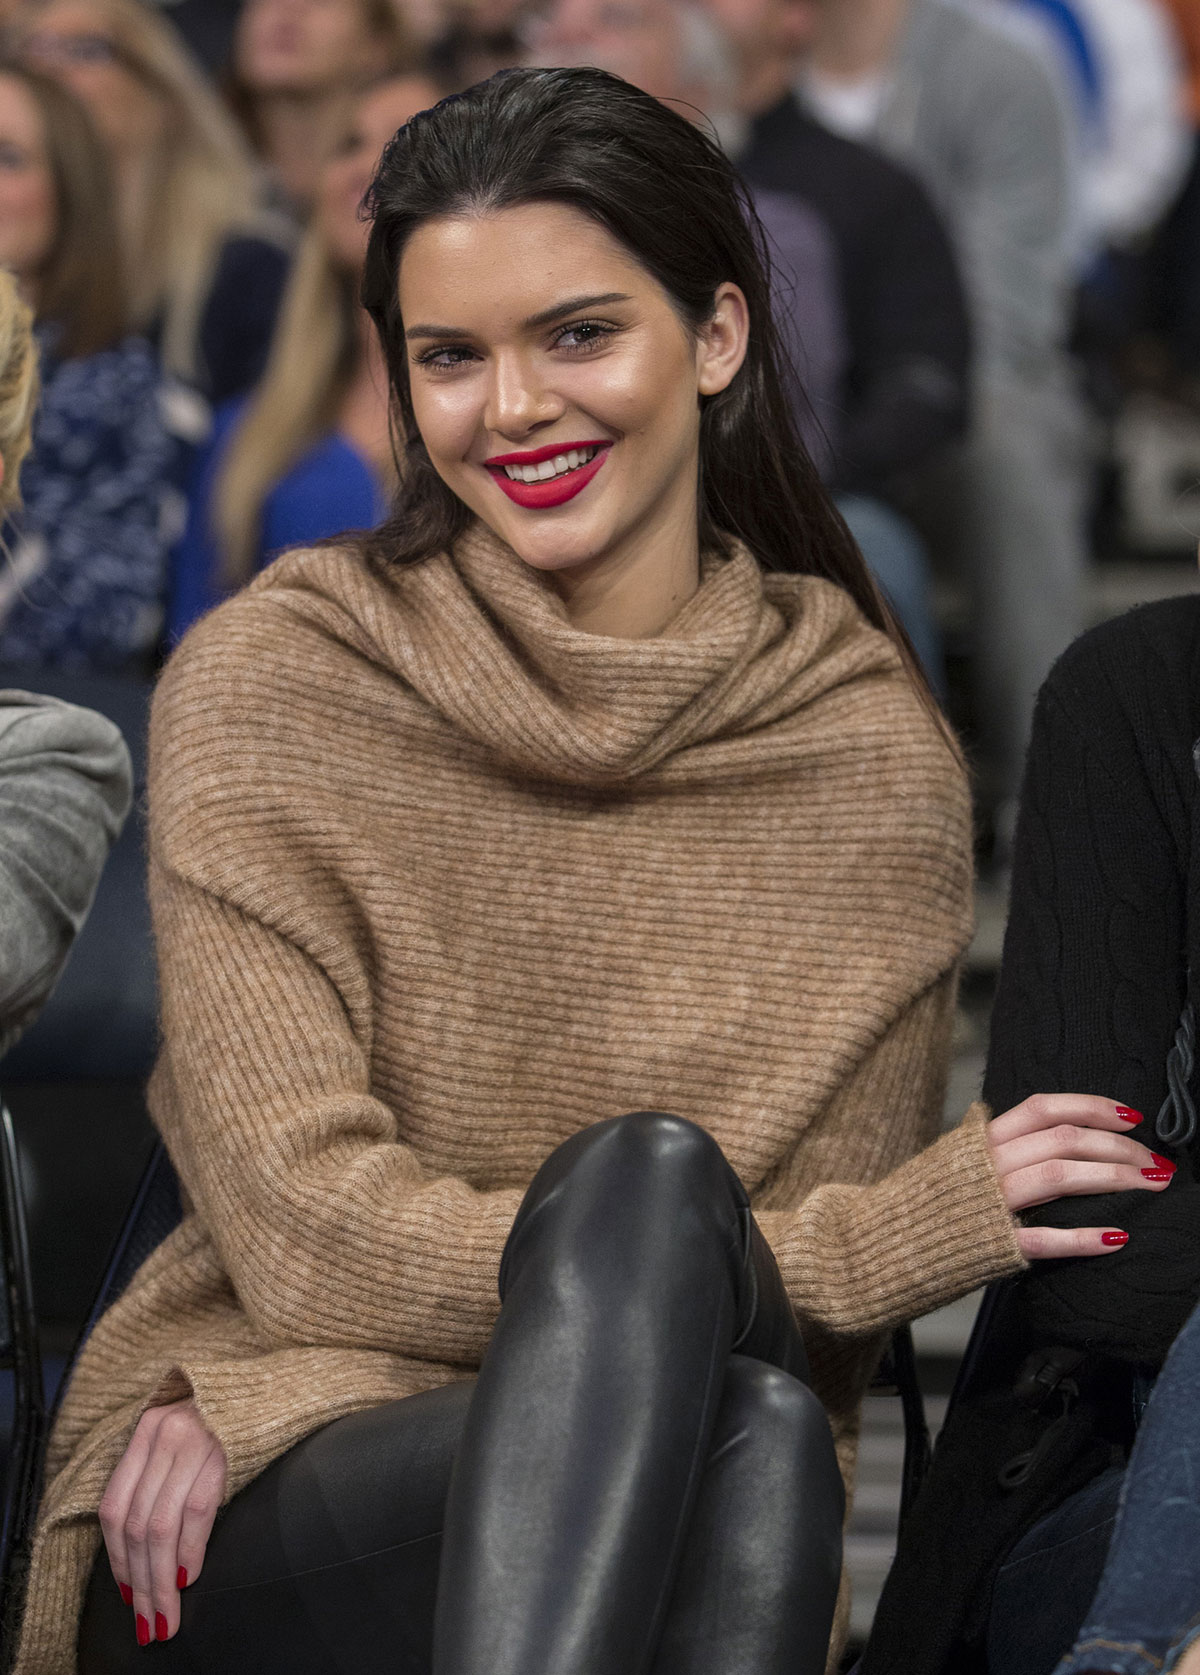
(584, 336)
(445, 358)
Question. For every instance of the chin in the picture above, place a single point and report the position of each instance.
(549, 549)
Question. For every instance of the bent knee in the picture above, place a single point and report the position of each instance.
(657, 1140)
(772, 1400)
(783, 1422)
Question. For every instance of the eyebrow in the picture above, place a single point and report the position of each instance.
(546, 317)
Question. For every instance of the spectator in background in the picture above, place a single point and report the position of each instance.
(65, 780)
(204, 270)
(294, 63)
(309, 454)
(1174, 258)
(891, 386)
(958, 95)
(84, 584)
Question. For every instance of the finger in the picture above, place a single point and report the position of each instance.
(1044, 1110)
(187, 1483)
(1040, 1243)
(1072, 1141)
(1065, 1178)
(138, 1535)
(116, 1501)
(199, 1512)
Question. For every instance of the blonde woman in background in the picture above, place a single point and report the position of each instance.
(65, 779)
(294, 63)
(206, 266)
(309, 454)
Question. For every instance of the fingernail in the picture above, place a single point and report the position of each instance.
(1158, 1174)
(160, 1626)
(1114, 1238)
(143, 1630)
(1128, 1114)
(1163, 1162)
(181, 1579)
(126, 1592)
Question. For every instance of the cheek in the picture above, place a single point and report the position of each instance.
(27, 214)
(448, 418)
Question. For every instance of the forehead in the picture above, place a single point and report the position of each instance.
(477, 271)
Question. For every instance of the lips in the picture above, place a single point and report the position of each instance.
(552, 491)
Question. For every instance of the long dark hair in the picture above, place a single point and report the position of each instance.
(667, 192)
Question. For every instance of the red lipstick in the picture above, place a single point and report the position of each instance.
(553, 491)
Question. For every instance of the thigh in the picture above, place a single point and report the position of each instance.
(1045, 1586)
(326, 1563)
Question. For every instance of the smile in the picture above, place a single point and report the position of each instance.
(549, 476)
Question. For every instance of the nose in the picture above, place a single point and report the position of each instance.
(518, 400)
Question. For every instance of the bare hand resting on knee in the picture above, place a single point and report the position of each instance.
(158, 1511)
(1069, 1145)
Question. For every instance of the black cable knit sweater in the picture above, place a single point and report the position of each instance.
(1101, 960)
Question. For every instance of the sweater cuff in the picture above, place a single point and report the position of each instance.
(866, 1259)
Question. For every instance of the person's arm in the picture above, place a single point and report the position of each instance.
(65, 787)
(1014, 200)
(1095, 959)
(908, 392)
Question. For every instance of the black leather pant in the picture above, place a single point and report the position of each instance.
(638, 1481)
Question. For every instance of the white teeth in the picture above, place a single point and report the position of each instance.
(570, 461)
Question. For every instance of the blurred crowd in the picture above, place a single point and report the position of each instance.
(983, 218)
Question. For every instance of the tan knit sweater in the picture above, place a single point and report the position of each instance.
(437, 880)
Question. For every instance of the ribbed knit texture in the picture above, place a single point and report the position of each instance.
(439, 880)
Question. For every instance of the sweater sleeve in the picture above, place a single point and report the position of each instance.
(329, 1228)
(923, 1222)
(65, 786)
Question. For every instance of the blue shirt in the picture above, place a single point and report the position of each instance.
(332, 488)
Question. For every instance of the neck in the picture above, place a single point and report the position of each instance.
(294, 129)
(857, 37)
(634, 595)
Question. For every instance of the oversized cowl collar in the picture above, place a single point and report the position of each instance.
(485, 640)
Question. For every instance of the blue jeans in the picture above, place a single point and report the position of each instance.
(1146, 1612)
(896, 558)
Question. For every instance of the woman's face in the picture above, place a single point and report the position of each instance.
(346, 176)
(539, 348)
(28, 209)
(74, 41)
(303, 46)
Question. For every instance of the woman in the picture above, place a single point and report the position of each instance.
(1004, 1551)
(308, 455)
(86, 574)
(64, 771)
(205, 267)
(545, 803)
(294, 63)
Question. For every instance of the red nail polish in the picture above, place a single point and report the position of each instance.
(1158, 1174)
(181, 1579)
(160, 1626)
(1128, 1114)
(143, 1630)
(1114, 1238)
(126, 1592)
(1163, 1162)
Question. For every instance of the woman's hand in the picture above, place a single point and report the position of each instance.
(157, 1513)
(1061, 1145)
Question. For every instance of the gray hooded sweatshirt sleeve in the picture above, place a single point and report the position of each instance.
(65, 789)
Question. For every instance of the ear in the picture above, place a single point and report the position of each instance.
(721, 341)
